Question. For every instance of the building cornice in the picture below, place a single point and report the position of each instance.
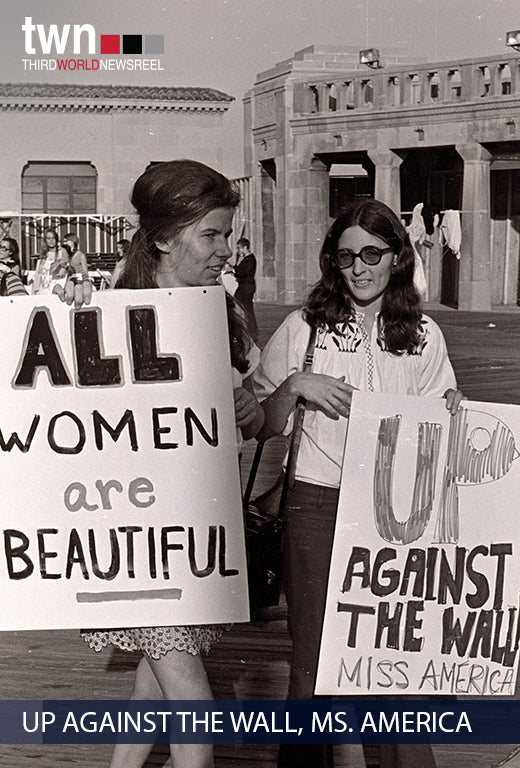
(47, 97)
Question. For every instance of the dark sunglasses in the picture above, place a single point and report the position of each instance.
(369, 255)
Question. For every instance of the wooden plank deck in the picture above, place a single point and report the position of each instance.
(252, 660)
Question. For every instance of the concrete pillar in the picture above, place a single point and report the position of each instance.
(475, 288)
(494, 82)
(388, 181)
(443, 85)
(306, 222)
(514, 66)
(323, 97)
(467, 81)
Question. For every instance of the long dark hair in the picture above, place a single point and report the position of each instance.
(329, 303)
(168, 198)
(14, 250)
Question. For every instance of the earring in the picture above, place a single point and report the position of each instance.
(394, 263)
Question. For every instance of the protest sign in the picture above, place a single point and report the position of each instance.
(121, 499)
(423, 591)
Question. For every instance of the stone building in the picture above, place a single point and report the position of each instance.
(320, 128)
(70, 153)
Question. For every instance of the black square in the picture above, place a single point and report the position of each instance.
(132, 43)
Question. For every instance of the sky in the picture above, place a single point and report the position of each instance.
(223, 44)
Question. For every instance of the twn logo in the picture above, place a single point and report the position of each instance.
(52, 37)
(53, 40)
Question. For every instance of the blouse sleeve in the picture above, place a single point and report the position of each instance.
(253, 358)
(282, 355)
(436, 375)
(14, 286)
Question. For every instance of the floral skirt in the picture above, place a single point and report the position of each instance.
(157, 641)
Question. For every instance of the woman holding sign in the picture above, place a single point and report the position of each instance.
(185, 215)
(371, 335)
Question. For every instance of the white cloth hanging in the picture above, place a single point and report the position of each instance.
(450, 232)
(417, 228)
(417, 234)
(419, 277)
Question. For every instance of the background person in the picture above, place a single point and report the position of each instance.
(52, 265)
(10, 269)
(245, 269)
(78, 265)
(10, 254)
(371, 335)
(122, 248)
(185, 213)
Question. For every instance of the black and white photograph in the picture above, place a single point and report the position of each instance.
(271, 519)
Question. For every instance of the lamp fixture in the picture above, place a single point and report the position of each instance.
(513, 39)
(371, 58)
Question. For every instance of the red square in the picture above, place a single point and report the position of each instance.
(109, 44)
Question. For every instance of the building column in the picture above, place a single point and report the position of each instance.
(306, 212)
(388, 180)
(475, 288)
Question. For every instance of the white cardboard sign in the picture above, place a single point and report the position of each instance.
(121, 501)
(423, 595)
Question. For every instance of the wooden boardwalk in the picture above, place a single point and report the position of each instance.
(251, 662)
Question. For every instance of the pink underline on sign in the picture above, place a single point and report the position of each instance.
(146, 594)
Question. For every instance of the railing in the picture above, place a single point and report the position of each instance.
(404, 87)
(242, 220)
(98, 234)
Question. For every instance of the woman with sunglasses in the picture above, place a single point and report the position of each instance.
(10, 280)
(371, 335)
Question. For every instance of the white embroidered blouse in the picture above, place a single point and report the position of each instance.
(365, 364)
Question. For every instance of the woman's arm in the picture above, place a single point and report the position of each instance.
(249, 414)
(13, 284)
(437, 376)
(326, 393)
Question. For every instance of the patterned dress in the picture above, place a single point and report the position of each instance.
(158, 641)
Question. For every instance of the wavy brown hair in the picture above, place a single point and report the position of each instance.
(328, 305)
(169, 197)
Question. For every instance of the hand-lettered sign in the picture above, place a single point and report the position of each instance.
(423, 594)
(121, 497)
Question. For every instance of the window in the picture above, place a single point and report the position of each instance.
(505, 80)
(59, 188)
(435, 86)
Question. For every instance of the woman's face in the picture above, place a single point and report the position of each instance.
(50, 240)
(197, 255)
(366, 284)
(5, 251)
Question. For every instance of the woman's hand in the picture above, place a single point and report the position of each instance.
(249, 414)
(79, 292)
(453, 400)
(332, 396)
(246, 407)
